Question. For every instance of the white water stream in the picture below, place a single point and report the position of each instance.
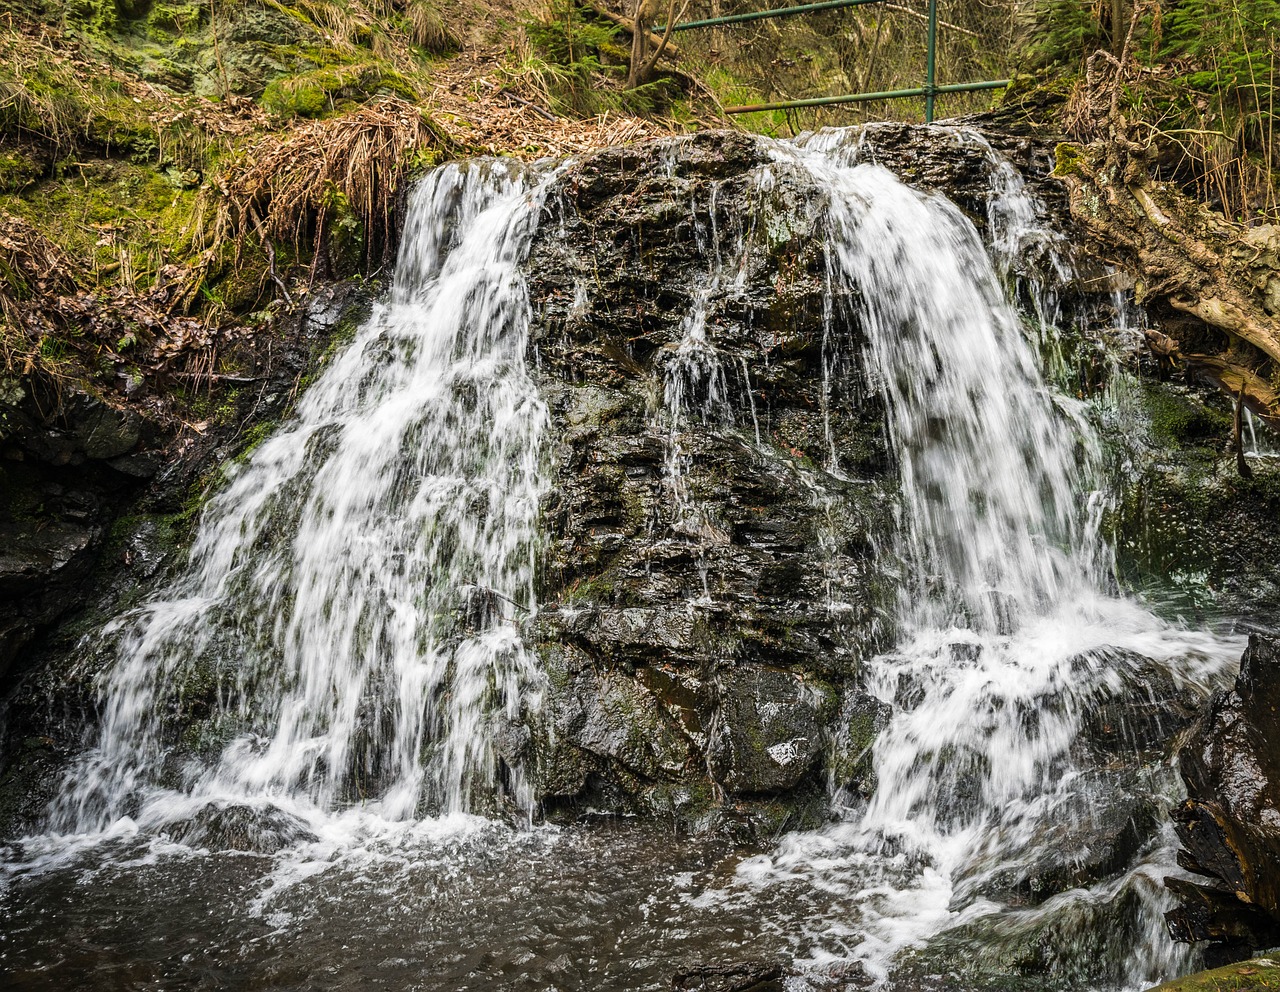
(1008, 628)
(354, 594)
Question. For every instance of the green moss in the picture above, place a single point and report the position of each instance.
(1067, 159)
(1246, 976)
(1184, 421)
(596, 589)
(18, 171)
(96, 15)
(346, 232)
(252, 438)
(166, 20)
(105, 212)
(326, 89)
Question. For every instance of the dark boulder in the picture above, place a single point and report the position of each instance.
(741, 976)
(1229, 825)
(711, 581)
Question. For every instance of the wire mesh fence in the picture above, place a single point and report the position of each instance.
(827, 50)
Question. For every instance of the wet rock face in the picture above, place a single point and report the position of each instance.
(1229, 824)
(96, 503)
(720, 470)
(67, 464)
(709, 578)
(1189, 528)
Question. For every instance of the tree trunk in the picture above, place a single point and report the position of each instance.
(1119, 26)
(643, 18)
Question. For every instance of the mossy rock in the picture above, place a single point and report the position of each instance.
(1183, 419)
(168, 19)
(323, 90)
(104, 207)
(1067, 159)
(18, 171)
(96, 15)
(1246, 976)
(1189, 530)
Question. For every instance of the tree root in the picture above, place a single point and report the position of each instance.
(1220, 273)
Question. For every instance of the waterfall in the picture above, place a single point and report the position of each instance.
(354, 599)
(349, 630)
(1008, 628)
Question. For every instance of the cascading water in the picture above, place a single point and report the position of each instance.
(1007, 631)
(356, 591)
(354, 603)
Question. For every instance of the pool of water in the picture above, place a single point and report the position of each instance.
(464, 903)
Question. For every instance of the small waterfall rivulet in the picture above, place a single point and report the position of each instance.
(355, 611)
(355, 592)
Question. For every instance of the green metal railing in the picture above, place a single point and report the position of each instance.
(759, 15)
(930, 90)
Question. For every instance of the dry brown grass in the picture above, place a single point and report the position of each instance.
(486, 109)
(427, 28)
(52, 328)
(31, 266)
(285, 188)
(30, 262)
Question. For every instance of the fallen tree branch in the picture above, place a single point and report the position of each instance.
(1196, 262)
(521, 101)
(628, 25)
(1246, 386)
(925, 19)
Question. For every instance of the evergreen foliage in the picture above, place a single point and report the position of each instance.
(1063, 31)
(579, 63)
(1203, 81)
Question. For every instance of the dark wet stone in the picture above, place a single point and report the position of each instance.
(1229, 824)
(769, 730)
(237, 827)
(106, 433)
(1189, 529)
(1140, 717)
(777, 572)
(741, 976)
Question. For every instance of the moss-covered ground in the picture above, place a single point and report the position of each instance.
(1247, 976)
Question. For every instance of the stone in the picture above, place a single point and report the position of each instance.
(768, 732)
(772, 584)
(850, 768)
(1229, 825)
(239, 827)
(1256, 975)
(107, 433)
(740, 976)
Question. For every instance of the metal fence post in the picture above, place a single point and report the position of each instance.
(930, 89)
